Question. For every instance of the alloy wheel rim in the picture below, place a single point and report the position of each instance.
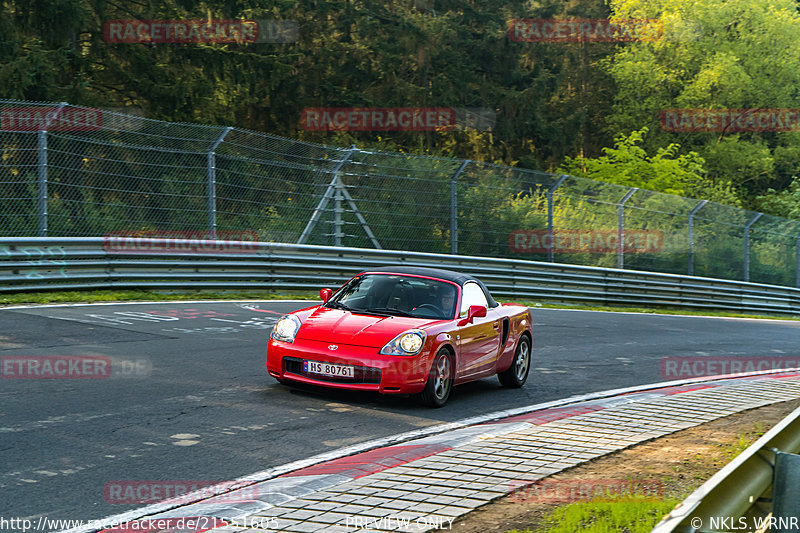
(522, 361)
(441, 383)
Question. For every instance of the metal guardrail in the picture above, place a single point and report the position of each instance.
(742, 496)
(41, 263)
(81, 172)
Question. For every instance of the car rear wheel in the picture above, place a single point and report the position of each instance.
(440, 380)
(517, 373)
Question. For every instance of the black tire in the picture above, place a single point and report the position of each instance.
(517, 373)
(440, 381)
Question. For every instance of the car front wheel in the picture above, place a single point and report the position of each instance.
(517, 373)
(440, 381)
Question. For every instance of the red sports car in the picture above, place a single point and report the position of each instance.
(403, 330)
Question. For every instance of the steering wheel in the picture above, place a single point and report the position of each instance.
(438, 310)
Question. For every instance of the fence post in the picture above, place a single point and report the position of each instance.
(797, 264)
(621, 228)
(550, 227)
(338, 232)
(454, 207)
(42, 183)
(42, 171)
(212, 183)
(692, 213)
(747, 245)
(331, 192)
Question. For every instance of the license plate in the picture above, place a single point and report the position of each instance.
(328, 369)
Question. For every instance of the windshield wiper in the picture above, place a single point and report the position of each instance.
(387, 311)
(338, 305)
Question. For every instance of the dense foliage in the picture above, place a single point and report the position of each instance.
(588, 108)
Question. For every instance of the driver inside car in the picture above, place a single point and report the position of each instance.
(440, 301)
(447, 301)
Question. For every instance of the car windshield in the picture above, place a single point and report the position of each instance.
(396, 295)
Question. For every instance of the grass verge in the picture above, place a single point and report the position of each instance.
(638, 513)
(48, 297)
(635, 487)
(143, 295)
(630, 514)
(655, 310)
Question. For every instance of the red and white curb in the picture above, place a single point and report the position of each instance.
(327, 483)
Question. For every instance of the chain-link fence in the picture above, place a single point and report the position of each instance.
(73, 171)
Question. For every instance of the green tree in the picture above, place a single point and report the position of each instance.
(785, 203)
(720, 54)
(668, 171)
(550, 99)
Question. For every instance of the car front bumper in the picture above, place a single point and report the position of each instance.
(373, 371)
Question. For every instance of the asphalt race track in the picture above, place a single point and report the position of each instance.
(189, 400)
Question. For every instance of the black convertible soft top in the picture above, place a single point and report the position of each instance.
(438, 273)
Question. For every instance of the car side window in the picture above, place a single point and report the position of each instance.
(472, 294)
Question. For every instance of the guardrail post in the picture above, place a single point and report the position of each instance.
(212, 183)
(692, 213)
(550, 228)
(785, 489)
(747, 245)
(621, 228)
(454, 207)
(42, 171)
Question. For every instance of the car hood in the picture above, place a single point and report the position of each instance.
(344, 327)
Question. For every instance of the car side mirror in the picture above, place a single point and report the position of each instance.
(473, 312)
(325, 294)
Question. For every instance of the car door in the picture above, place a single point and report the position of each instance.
(478, 342)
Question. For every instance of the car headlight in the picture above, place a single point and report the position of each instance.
(408, 343)
(286, 328)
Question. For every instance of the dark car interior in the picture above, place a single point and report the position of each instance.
(391, 294)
